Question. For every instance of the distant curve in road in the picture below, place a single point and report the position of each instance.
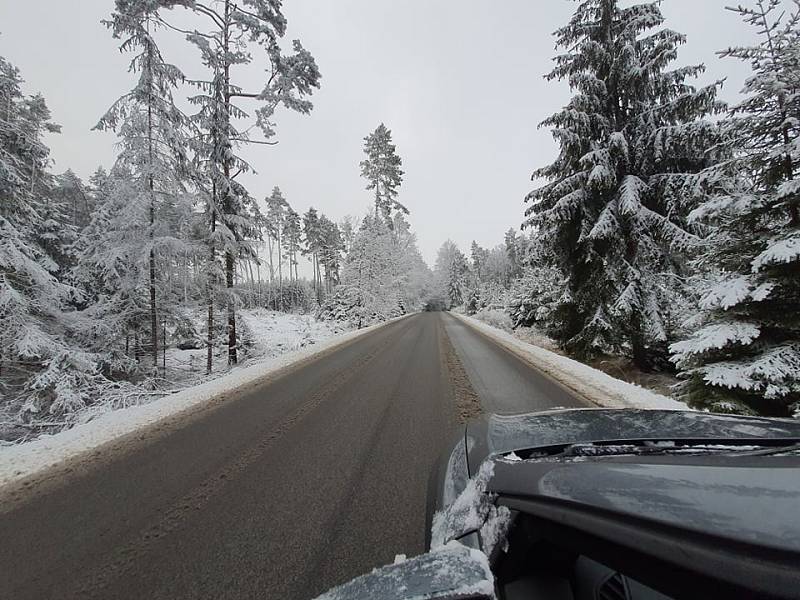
(282, 492)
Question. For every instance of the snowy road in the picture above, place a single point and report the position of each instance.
(505, 383)
(288, 489)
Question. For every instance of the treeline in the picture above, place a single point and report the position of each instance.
(383, 275)
(667, 228)
(99, 279)
(93, 276)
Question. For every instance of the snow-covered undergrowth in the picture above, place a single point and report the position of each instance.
(495, 317)
(266, 333)
(500, 319)
(279, 340)
(594, 385)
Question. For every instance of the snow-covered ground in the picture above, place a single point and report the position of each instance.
(270, 333)
(499, 319)
(594, 385)
(279, 340)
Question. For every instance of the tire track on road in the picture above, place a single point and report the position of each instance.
(466, 401)
(92, 585)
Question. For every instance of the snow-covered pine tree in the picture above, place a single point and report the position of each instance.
(330, 251)
(312, 239)
(367, 293)
(234, 31)
(613, 210)
(746, 356)
(451, 273)
(112, 269)
(513, 251)
(276, 215)
(382, 170)
(60, 217)
(41, 371)
(348, 227)
(292, 238)
(479, 257)
(74, 198)
(414, 279)
(153, 139)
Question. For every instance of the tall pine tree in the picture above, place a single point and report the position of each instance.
(382, 170)
(234, 30)
(154, 141)
(612, 215)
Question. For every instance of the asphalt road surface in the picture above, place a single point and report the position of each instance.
(504, 383)
(289, 488)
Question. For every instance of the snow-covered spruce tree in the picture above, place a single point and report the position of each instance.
(414, 279)
(234, 30)
(613, 210)
(292, 238)
(382, 170)
(534, 296)
(74, 198)
(451, 273)
(479, 257)
(276, 215)
(42, 373)
(348, 227)
(312, 244)
(368, 292)
(153, 140)
(112, 268)
(330, 251)
(746, 356)
(512, 245)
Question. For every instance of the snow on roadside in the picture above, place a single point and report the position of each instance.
(23, 460)
(590, 383)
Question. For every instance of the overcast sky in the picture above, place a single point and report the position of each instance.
(459, 83)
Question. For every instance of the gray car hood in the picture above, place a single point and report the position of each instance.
(500, 434)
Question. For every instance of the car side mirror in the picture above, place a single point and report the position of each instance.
(452, 572)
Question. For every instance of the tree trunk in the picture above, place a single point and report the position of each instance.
(229, 273)
(230, 258)
(164, 347)
(210, 277)
(151, 185)
(271, 272)
(260, 286)
(280, 267)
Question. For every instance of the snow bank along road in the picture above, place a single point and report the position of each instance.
(281, 492)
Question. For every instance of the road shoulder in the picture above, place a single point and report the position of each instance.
(595, 387)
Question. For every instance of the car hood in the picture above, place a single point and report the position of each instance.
(501, 434)
(719, 497)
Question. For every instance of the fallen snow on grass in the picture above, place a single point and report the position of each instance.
(594, 385)
(284, 339)
(266, 333)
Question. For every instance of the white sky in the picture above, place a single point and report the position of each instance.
(459, 82)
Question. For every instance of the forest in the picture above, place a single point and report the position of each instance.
(102, 281)
(667, 230)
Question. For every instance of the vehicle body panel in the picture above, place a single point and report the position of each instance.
(499, 434)
(711, 496)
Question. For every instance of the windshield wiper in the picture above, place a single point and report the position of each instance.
(677, 447)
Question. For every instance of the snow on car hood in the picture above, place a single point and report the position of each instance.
(452, 570)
